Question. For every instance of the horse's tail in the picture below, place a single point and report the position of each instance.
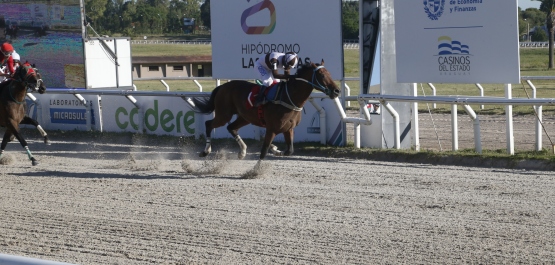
(204, 104)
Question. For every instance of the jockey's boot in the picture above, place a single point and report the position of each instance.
(260, 99)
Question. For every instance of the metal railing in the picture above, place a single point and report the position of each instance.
(347, 44)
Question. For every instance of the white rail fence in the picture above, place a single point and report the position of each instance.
(385, 100)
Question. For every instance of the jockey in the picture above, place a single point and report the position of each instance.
(7, 59)
(267, 67)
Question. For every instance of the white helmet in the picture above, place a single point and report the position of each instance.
(16, 56)
(291, 57)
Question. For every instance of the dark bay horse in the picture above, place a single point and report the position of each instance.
(280, 116)
(12, 101)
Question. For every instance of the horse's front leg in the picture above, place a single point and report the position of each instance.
(7, 135)
(288, 135)
(233, 129)
(269, 137)
(23, 143)
(29, 120)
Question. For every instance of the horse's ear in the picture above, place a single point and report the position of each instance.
(322, 63)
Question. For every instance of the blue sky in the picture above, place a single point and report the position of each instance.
(524, 4)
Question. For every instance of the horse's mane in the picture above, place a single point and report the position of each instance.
(305, 68)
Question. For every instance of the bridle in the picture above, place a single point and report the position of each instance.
(33, 86)
(315, 82)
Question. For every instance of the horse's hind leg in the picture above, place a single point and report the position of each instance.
(29, 120)
(288, 135)
(208, 146)
(233, 129)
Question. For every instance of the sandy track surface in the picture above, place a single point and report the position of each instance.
(127, 201)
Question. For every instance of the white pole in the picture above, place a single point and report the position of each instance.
(477, 139)
(509, 117)
(454, 127)
(538, 109)
(415, 127)
(481, 93)
(396, 124)
(433, 93)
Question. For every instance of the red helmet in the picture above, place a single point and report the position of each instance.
(6, 48)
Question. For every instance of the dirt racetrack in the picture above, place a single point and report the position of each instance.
(130, 200)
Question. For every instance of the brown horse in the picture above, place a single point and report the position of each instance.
(280, 116)
(12, 101)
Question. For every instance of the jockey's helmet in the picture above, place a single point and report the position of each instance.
(291, 59)
(6, 48)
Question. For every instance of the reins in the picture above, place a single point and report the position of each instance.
(314, 85)
(317, 86)
(285, 104)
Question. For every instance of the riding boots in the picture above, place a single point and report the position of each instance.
(260, 99)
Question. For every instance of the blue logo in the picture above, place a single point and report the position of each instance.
(434, 8)
(314, 126)
(449, 46)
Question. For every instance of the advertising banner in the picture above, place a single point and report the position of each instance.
(64, 112)
(173, 116)
(47, 34)
(457, 41)
(244, 30)
(161, 115)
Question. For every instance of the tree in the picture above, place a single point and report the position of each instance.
(350, 20)
(548, 6)
(539, 34)
(205, 14)
(95, 9)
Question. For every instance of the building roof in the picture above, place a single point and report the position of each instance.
(171, 59)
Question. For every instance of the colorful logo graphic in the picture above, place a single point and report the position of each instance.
(258, 30)
(448, 46)
(434, 8)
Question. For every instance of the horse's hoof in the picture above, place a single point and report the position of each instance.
(46, 141)
(203, 154)
(35, 162)
(241, 155)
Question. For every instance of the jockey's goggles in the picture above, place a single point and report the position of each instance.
(6, 53)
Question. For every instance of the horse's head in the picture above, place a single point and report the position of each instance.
(30, 77)
(319, 78)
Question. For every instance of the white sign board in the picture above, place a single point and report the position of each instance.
(244, 30)
(64, 112)
(457, 41)
(108, 63)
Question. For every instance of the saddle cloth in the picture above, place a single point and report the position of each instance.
(269, 94)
